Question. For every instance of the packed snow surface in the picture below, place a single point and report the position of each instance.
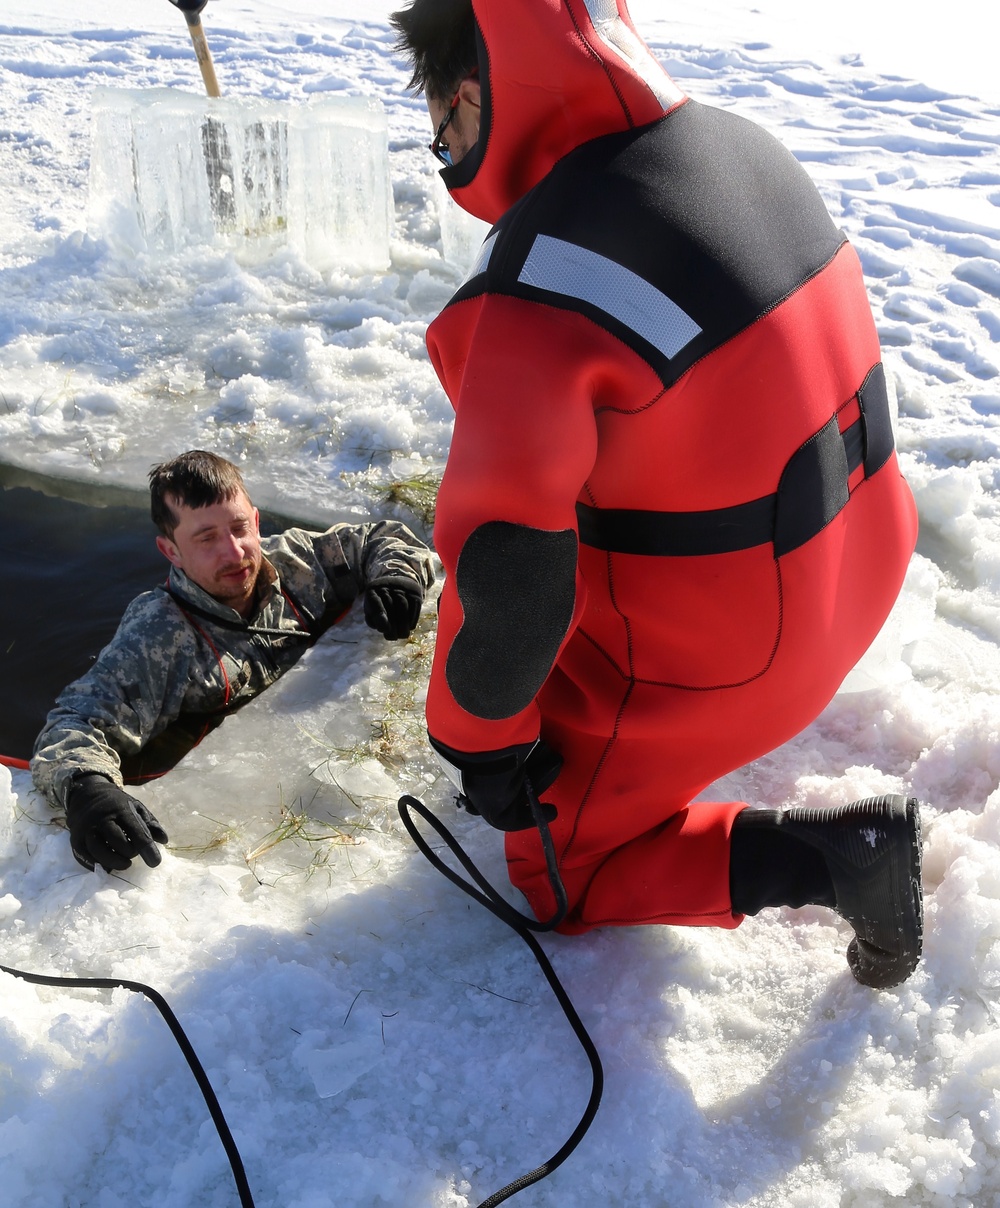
(374, 1037)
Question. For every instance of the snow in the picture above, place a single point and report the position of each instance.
(374, 1038)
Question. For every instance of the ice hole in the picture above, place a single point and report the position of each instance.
(78, 554)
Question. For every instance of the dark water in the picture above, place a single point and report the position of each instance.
(71, 559)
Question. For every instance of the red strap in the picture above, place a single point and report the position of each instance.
(298, 615)
(211, 645)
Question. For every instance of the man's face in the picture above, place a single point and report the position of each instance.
(218, 547)
(462, 132)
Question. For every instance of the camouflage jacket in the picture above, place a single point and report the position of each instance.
(181, 661)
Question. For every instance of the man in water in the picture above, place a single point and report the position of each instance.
(672, 517)
(236, 613)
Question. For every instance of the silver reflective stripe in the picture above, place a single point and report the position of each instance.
(452, 772)
(483, 259)
(616, 35)
(566, 268)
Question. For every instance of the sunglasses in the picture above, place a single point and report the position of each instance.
(439, 149)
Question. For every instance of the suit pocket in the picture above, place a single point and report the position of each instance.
(701, 622)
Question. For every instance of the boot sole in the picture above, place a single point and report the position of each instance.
(878, 892)
(873, 964)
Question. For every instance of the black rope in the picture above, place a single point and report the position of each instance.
(523, 926)
(161, 1004)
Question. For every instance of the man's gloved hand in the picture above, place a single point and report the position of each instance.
(108, 827)
(394, 608)
(491, 783)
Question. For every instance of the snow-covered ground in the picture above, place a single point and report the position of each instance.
(374, 1038)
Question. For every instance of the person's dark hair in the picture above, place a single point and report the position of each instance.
(439, 39)
(196, 479)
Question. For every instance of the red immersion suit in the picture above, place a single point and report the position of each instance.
(672, 517)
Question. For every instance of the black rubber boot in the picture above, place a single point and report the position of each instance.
(871, 856)
(768, 866)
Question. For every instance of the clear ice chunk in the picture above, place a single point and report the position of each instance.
(462, 234)
(171, 169)
(334, 1070)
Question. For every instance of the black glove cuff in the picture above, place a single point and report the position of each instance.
(504, 762)
(82, 786)
(492, 783)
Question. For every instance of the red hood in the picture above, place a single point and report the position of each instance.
(554, 74)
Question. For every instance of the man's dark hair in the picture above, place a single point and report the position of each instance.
(439, 39)
(195, 479)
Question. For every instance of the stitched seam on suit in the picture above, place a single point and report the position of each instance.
(632, 410)
(592, 51)
(625, 621)
(600, 650)
(631, 920)
(605, 755)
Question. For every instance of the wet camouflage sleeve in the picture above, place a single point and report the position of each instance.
(349, 557)
(136, 687)
(384, 552)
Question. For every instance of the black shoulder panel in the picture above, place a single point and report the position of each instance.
(674, 237)
(517, 586)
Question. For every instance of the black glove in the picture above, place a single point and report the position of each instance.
(491, 783)
(108, 827)
(394, 608)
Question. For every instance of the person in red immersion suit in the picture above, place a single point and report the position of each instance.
(672, 517)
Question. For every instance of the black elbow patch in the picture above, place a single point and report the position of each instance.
(517, 586)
